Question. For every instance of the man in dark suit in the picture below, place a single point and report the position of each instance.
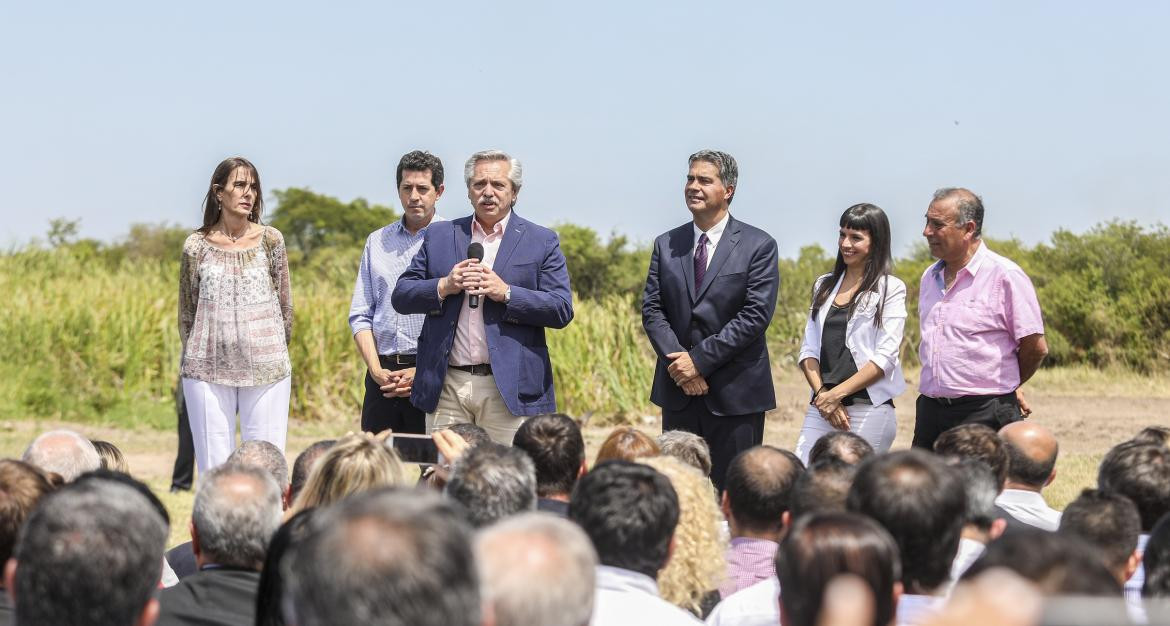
(237, 510)
(482, 355)
(709, 298)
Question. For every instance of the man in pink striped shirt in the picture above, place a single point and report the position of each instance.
(982, 331)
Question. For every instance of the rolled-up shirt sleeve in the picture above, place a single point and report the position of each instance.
(888, 342)
(810, 344)
(361, 306)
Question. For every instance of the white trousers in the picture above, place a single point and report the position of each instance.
(212, 412)
(875, 424)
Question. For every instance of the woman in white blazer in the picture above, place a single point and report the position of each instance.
(854, 332)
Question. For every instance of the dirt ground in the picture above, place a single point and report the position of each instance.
(1089, 411)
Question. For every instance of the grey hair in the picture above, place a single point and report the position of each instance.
(492, 482)
(264, 455)
(725, 163)
(982, 487)
(89, 554)
(515, 173)
(970, 206)
(688, 448)
(64, 452)
(531, 547)
(233, 525)
(412, 545)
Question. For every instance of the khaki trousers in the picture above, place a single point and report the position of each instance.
(470, 399)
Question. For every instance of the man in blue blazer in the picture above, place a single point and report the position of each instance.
(482, 355)
(709, 298)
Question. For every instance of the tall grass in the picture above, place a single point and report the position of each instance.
(86, 339)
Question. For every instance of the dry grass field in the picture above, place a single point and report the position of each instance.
(1089, 410)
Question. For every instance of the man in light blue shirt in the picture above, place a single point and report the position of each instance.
(386, 340)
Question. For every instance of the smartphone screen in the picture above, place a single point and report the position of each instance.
(415, 449)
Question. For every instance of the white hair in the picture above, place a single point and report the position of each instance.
(513, 553)
(235, 524)
(63, 452)
(515, 173)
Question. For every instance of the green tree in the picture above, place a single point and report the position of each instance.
(311, 221)
(597, 269)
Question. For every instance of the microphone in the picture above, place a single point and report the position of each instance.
(474, 251)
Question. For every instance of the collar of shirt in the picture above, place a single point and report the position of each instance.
(972, 267)
(619, 579)
(497, 230)
(713, 234)
(398, 227)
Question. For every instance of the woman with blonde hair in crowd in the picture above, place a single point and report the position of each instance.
(697, 565)
(354, 464)
(627, 444)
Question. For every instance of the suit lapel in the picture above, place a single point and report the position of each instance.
(462, 233)
(512, 237)
(685, 243)
(727, 243)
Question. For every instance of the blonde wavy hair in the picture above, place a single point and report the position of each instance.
(354, 464)
(699, 561)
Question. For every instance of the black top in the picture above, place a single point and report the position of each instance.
(837, 363)
(213, 597)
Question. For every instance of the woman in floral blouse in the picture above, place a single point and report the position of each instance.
(235, 319)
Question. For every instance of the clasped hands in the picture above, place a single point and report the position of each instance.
(684, 373)
(828, 402)
(475, 278)
(394, 383)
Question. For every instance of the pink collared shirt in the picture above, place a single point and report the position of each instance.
(470, 345)
(972, 331)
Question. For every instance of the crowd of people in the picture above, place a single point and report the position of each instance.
(538, 534)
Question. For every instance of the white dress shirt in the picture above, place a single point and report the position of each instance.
(913, 610)
(757, 605)
(627, 597)
(1030, 508)
(713, 236)
(969, 551)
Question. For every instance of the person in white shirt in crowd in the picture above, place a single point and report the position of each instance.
(1140, 472)
(849, 354)
(1032, 451)
(922, 504)
(983, 522)
(536, 568)
(629, 511)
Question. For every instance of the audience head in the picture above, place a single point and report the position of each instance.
(237, 509)
(492, 481)
(921, 502)
(90, 554)
(63, 452)
(976, 441)
(1060, 564)
(686, 447)
(1140, 472)
(697, 564)
(270, 593)
(303, 465)
(530, 547)
(473, 434)
(821, 546)
(1110, 524)
(111, 457)
(982, 487)
(21, 487)
(822, 488)
(629, 511)
(842, 445)
(757, 490)
(1032, 451)
(626, 443)
(557, 450)
(354, 464)
(389, 556)
(1156, 561)
(264, 455)
(1156, 435)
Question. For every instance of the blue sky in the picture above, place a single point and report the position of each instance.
(1056, 112)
